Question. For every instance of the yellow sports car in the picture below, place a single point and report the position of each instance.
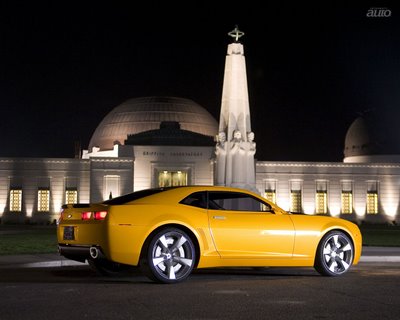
(168, 232)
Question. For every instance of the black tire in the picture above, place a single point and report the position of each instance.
(105, 267)
(169, 256)
(334, 255)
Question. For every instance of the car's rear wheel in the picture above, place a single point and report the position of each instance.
(108, 268)
(170, 256)
(335, 254)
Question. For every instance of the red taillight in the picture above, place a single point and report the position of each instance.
(97, 215)
(86, 215)
(100, 215)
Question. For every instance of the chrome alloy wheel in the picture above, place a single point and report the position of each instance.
(171, 256)
(335, 254)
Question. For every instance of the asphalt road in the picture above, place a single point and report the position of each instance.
(370, 290)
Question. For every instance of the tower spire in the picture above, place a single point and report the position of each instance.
(235, 147)
(236, 33)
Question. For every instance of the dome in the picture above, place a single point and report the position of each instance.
(357, 141)
(372, 137)
(143, 114)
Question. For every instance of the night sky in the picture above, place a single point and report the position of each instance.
(311, 70)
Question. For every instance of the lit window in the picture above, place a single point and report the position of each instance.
(71, 196)
(43, 200)
(295, 201)
(372, 202)
(172, 178)
(372, 197)
(320, 202)
(347, 202)
(270, 195)
(16, 200)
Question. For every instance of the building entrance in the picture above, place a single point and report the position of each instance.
(172, 178)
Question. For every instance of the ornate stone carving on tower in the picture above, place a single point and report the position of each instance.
(235, 148)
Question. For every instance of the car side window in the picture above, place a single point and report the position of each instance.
(197, 199)
(236, 201)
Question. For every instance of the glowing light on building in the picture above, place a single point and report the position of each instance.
(390, 208)
(389, 198)
(57, 202)
(29, 210)
(334, 208)
(360, 210)
(283, 202)
(111, 186)
(309, 208)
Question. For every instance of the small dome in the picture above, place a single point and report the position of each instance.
(372, 136)
(143, 114)
(357, 141)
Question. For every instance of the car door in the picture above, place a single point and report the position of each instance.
(245, 227)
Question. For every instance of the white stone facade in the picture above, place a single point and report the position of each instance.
(95, 178)
(359, 179)
(151, 161)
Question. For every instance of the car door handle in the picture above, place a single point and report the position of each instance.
(219, 217)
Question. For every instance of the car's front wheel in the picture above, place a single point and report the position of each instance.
(169, 257)
(335, 254)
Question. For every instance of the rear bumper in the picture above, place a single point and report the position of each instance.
(80, 253)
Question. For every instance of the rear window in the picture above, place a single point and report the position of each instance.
(135, 196)
(197, 199)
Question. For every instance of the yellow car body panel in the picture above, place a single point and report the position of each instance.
(243, 234)
(310, 230)
(222, 237)
(86, 232)
(126, 237)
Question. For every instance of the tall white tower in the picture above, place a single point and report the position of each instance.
(235, 149)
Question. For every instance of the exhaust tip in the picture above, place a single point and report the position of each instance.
(94, 252)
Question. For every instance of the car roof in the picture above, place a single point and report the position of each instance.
(169, 194)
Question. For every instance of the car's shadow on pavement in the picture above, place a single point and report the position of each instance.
(84, 274)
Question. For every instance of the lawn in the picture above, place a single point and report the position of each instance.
(32, 239)
(380, 235)
(26, 239)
